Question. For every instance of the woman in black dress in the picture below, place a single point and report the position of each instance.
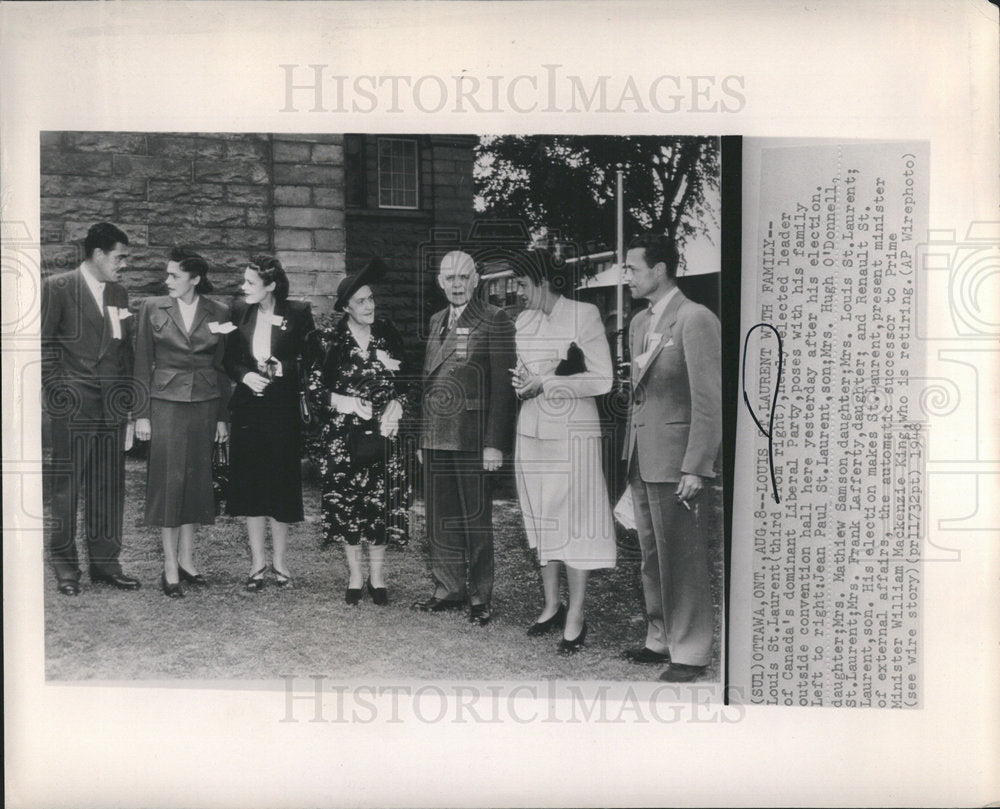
(362, 382)
(264, 356)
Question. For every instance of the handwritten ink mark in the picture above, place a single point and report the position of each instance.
(769, 432)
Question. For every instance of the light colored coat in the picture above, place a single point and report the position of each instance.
(566, 402)
(675, 422)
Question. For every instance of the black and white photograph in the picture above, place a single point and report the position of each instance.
(505, 403)
(390, 407)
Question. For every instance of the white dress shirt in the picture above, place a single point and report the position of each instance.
(96, 288)
(187, 312)
(655, 312)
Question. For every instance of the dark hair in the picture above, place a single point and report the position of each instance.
(658, 247)
(193, 264)
(270, 271)
(541, 265)
(103, 235)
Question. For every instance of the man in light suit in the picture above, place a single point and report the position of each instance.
(88, 394)
(467, 424)
(673, 439)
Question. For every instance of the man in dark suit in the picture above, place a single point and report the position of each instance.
(467, 425)
(88, 394)
(673, 438)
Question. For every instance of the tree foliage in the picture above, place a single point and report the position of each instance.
(563, 186)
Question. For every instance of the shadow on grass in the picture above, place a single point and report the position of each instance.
(222, 632)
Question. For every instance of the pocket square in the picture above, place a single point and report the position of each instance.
(221, 328)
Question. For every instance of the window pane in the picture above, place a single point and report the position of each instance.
(397, 173)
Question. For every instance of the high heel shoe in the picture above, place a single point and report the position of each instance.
(170, 590)
(255, 583)
(568, 647)
(353, 595)
(281, 579)
(544, 627)
(191, 578)
(380, 595)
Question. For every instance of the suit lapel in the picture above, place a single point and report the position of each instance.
(204, 309)
(434, 354)
(470, 319)
(277, 335)
(173, 310)
(664, 325)
(86, 305)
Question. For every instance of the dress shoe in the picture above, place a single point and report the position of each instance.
(119, 580)
(69, 588)
(170, 590)
(569, 647)
(191, 578)
(434, 604)
(682, 673)
(281, 579)
(544, 627)
(480, 614)
(645, 655)
(353, 595)
(255, 582)
(380, 595)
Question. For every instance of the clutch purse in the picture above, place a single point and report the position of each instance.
(366, 445)
(574, 362)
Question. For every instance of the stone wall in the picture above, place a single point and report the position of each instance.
(227, 196)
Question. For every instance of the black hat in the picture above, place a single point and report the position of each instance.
(350, 284)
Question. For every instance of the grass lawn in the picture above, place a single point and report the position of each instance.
(222, 632)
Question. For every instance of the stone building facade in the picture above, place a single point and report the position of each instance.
(323, 204)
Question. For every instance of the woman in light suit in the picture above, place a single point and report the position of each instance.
(178, 361)
(563, 363)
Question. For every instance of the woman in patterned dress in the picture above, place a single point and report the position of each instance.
(362, 380)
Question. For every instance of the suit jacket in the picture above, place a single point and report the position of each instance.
(86, 368)
(675, 421)
(542, 343)
(175, 366)
(288, 346)
(468, 401)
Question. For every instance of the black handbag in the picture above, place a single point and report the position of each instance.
(366, 445)
(220, 474)
(574, 362)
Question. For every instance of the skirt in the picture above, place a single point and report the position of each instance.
(179, 474)
(265, 464)
(564, 501)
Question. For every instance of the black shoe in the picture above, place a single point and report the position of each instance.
(544, 627)
(255, 583)
(119, 580)
(170, 590)
(191, 578)
(682, 673)
(480, 614)
(380, 595)
(435, 604)
(569, 647)
(353, 595)
(281, 579)
(645, 655)
(69, 588)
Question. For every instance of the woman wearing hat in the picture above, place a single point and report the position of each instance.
(178, 360)
(563, 364)
(264, 356)
(361, 383)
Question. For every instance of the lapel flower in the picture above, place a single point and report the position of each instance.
(389, 362)
(284, 324)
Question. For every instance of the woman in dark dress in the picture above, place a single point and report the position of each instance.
(362, 381)
(178, 360)
(264, 356)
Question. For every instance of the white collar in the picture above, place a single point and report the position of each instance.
(657, 308)
(188, 307)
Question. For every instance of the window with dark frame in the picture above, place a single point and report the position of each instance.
(398, 173)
